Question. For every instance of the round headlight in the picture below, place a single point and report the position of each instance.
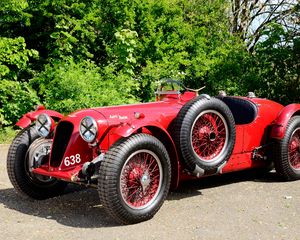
(43, 125)
(88, 129)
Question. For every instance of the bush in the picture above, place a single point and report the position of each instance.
(66, 86)
(7, 134)
(16, 98)
(14, 57)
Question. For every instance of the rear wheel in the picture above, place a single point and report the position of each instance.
(134, 178)
(287, 151)
(26, 151)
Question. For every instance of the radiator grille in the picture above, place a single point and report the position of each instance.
(61, 139)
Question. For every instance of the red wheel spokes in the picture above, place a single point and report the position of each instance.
(140, 179)
(208, 135)
(294, 150)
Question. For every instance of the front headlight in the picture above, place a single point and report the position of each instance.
(43, 125)
(88, 129)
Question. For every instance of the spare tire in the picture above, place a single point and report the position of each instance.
(204, 132)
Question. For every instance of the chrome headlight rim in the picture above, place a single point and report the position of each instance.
(43, 125)
(91, 129)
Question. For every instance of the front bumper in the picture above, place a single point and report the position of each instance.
(70, 175)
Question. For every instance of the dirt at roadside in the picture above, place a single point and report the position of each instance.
(234, 206)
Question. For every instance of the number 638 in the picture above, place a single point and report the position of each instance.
(71, 160)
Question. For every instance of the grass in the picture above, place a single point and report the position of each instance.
(7, 134)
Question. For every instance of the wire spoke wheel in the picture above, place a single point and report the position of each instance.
(140, 179)
(294, 150)
(134, 178)
(209, 136)
(204, 134)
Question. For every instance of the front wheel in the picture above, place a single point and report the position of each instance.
(134, 178)
(26, 151)
(287, 151)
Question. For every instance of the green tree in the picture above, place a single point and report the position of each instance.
(176, 38)
(67, 86)
(279, 58)
(70, 51)
(272, 71)
(16, 98)
(14, 57)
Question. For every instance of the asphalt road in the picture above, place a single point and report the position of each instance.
(234, 206)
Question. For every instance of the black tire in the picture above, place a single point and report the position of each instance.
(120, 164)
(187, 119)
(177, 123)
(287, 152)
(24, 182)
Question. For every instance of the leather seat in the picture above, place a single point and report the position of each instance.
(243, 111)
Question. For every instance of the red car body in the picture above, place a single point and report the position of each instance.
(120, 121)
(141, 153)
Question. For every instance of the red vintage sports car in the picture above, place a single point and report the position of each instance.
(133, 154)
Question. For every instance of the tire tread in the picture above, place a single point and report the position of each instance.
(109, 175)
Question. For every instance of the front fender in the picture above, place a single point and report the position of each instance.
(281, 122)
(29, 117)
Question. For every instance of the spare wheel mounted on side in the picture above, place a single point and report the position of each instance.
(205, 134)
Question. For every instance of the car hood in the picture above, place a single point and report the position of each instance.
(126, 113)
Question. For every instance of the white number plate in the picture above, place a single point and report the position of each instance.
(71, 160)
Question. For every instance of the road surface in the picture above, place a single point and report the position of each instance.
(234, 206)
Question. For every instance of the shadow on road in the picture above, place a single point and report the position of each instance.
(192, 187)
(80, 207)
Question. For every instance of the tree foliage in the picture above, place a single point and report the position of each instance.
(70, 54)
(66, 86)
(16, 98)
(14, 57)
